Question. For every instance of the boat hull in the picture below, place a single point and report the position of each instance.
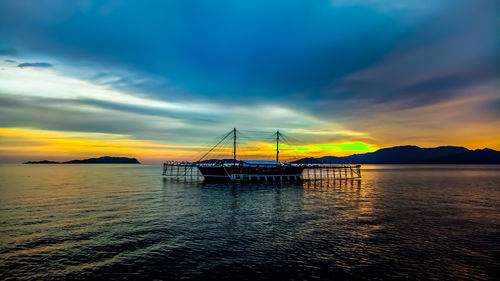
(221, 173)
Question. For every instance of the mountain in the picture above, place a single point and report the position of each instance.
(41, 162)
(478, 156)
(411, 154)
(105, 160)
(100, 160)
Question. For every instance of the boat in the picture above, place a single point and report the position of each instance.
(251, 170)
(247, 169)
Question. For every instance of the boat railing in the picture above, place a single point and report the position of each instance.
(309, 172)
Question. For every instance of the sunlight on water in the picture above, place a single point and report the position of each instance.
(127, 222)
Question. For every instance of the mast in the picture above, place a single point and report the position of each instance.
(277, 145)
(234, 146)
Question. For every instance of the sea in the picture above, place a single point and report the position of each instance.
(127, 222)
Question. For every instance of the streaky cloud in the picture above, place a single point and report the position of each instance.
(34, 64)
(377, 71)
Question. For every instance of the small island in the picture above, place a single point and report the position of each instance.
(100, 160)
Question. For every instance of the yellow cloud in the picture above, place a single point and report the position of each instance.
(318, 150)
(30, 144)
(33, 144)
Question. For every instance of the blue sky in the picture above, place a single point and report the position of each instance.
(171, 72)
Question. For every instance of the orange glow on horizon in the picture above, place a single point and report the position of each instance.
(30, 144)
(36, 144)
(22, 144)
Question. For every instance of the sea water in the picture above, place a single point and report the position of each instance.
(127, 222)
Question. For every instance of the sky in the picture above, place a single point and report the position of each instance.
(163, 80)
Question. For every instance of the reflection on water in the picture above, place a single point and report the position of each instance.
(127, 222)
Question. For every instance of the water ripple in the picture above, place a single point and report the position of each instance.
(116, 222)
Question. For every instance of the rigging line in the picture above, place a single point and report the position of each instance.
(287, 140)
(295, 139)
(221, 150)
(229, 133)
(245, 136)
(217, 153)
(254, 143)
(257, 131)
(216, 150)
(255, 136)
(258, 139)
(249, 138)
(207, 145)
(254, 148)
(292, 146)
(227, 149)
(250, 141)
(293, 143)
(293, 149)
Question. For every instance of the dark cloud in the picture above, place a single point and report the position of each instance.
(495, 107)
(34, 64)
(10, 61)
(66, 115)
(439, 60)
(233, 49)
(198, 118)
(340, 62)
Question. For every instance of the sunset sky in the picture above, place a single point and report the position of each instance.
(162, 80)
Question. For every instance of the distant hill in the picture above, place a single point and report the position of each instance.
(479, 156)
(42, 162)
(411, 154)
(100, 160)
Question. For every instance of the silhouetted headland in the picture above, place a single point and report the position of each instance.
(411, 154)
(100, 160)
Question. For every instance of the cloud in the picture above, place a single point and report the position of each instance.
(331, 70)
(54, 101)
(23, 144)
(34, 64)
(9, 61)
(29, 144)
(465, 120)
(438, 61)
(216, 50)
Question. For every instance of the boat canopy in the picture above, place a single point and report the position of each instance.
(261, 163)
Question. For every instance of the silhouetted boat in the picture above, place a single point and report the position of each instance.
(246, 169)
